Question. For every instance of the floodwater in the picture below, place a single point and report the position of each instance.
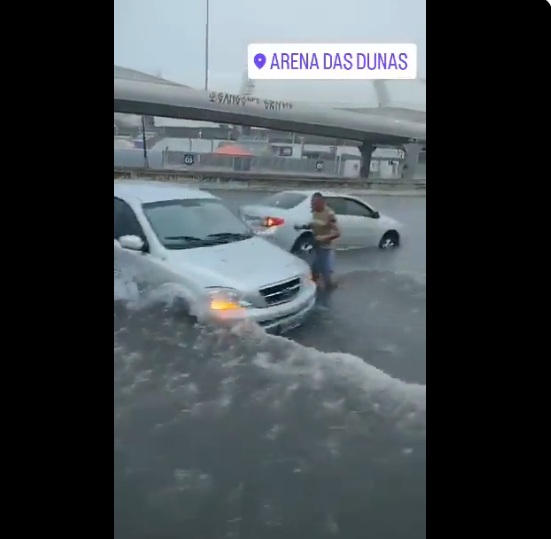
(319, 434)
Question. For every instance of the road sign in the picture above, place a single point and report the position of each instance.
(189, 159)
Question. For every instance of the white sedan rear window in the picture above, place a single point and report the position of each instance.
(285, 200)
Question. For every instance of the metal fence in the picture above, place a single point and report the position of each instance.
(196, 161)
(171, 159)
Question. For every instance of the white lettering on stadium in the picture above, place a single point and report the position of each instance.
(241, 100)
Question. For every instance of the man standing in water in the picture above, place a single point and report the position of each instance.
(326, 231)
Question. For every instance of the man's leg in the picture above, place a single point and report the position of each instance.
(323, 263)
(333, 283)
(316, 275)
(314, 265)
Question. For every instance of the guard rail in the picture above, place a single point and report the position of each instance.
(258, 179)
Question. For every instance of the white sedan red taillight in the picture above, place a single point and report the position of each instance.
(270, 222)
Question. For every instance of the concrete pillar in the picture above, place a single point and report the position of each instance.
(366, 151)
(409, 164)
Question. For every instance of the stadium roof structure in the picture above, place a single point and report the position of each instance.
(384, 109)
(139, 93)
(152, 99)
(133, 74)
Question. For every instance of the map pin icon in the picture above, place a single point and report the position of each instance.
(259, 60)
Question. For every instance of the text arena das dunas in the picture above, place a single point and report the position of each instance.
(347, 61)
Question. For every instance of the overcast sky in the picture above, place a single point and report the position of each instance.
(168, 37)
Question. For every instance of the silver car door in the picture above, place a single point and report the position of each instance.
(137, 265)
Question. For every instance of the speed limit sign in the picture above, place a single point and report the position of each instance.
(189, 159)
(319, 166)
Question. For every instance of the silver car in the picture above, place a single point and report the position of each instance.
(167, 234)
(361, 225)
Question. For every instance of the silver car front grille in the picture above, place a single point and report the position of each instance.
(281, 292)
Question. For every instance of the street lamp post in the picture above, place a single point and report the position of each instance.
(207, 47)
(144, 142)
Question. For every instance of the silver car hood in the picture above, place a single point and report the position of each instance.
(244, 265)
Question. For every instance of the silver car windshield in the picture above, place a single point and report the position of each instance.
(186, 224)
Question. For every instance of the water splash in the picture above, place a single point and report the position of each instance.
(242, 434)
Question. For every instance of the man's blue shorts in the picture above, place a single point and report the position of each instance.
(323, 264)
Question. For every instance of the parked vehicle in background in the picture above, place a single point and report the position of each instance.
(167, 234)
(360, 224)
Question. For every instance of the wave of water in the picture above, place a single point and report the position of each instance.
(238, 434)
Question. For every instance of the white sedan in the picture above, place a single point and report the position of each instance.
(361, 225)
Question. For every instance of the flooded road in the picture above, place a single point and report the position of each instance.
(244, 435)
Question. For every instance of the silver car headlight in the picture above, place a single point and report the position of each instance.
(223, 299)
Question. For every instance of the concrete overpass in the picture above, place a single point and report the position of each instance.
(165, 100)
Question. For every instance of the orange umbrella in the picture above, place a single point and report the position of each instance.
(233, 150)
